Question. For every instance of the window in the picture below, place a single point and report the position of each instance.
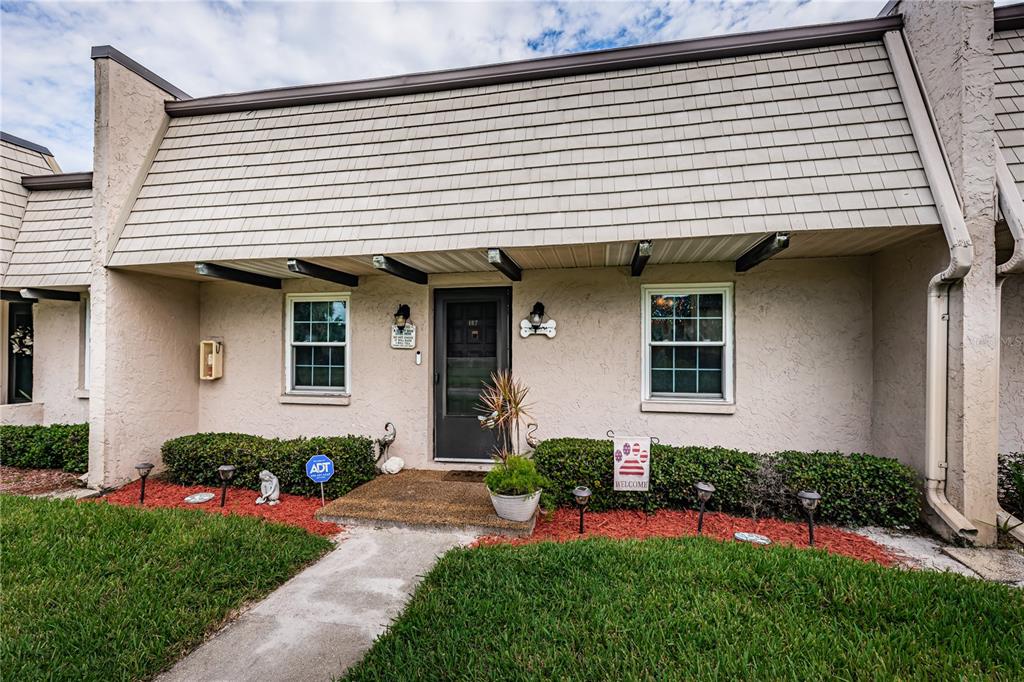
(688, 342)
(86, 342)
(317, 343)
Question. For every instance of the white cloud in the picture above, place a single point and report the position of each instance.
(209, 48)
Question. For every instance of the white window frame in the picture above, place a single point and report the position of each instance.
(728, 357)
(86, 342)
(289, 344)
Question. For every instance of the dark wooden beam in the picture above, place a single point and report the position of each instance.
(505, 265)
(14, 297)
(641, 254)
(235, 275)
(303, 267)
(51, 294)
(399, 269)
(762, 251)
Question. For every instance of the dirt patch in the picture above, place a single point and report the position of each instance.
(563, 525)
(294, 510)
(35, 481)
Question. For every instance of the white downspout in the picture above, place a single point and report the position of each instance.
(961, 255)
(1012, 206)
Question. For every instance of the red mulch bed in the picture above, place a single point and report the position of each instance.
(35, 481)
(563, 525)
(294, 510)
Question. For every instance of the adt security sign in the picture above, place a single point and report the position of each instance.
(319, 469)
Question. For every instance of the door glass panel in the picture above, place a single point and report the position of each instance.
(472, 331)
(19, 353)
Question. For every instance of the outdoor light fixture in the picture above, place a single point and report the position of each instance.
(535, 324)
(809, 499)
(227, 472)
(704, 493)
(402, 316)
(581, 496)
(143, 468)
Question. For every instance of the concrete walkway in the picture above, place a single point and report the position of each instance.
(323, 620)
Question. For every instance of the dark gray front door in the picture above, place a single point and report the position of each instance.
(471, 336)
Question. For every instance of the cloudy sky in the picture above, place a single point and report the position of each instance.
(207, 48)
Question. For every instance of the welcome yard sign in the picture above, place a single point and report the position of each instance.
(632, 463)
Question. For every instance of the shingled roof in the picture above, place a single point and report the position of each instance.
(18, 157)
(814, 138)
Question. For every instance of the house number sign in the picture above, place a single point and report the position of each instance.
(404, 339)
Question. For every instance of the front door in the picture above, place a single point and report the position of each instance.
(471, 337)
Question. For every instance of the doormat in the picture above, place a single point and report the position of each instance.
(465, 476)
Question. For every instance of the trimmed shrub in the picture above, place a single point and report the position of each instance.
(569, 462)
(856, 489)
(57, 446)
(1011, 497)
(193, 460)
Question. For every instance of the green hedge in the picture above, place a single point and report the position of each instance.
(193, 460)
(856, 489)
(57, 446)
(1010, 497)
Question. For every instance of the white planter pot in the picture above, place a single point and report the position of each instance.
(515, 507)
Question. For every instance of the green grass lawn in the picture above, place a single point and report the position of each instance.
(100, 592)
(694, 609)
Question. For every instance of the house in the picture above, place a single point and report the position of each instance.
(803, 238)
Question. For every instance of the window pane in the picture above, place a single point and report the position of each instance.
(686, 358)
(337, 311)
(337, 376)
(686, 330)
(710, 305)
(710, 358)
(301, 311)
(303, 355)
(661, 381)
(303, 376)
(301, 332)
(318, 331)
(321, 376)
(710, 330)
(662, 306)
(709, 381)
(684, 306)
(661, 356)
(321, 311)
(336, 331)
(661, 330)
(321, 356)
(686, 381)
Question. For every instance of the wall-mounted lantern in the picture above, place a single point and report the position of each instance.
(535, 323)
(402, 316)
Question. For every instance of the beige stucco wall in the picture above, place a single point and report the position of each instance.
(143, 387)
(803, 358)
(1011, 369)
(57, 365)
(900, 278)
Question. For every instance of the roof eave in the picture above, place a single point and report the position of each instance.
(715, 47)
(24, 144)
(1009, 17)
(57, 181)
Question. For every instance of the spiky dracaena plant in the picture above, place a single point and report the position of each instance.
(504, 407)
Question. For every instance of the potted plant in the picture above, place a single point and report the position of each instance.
(514, 484)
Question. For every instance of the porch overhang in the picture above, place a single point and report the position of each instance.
(725, 248)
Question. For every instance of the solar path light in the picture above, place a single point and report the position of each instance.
(143, 468)
(581, 496)
(227, 472)
(809, 499)
(704, 493)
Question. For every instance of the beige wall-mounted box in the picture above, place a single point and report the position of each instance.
(211, 359)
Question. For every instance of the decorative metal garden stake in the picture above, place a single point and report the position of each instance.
(227, 472)
(704, 493)
(581, 495)
(809, 499)
(143, 468)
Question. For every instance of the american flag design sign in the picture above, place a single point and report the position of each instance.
(632, 463)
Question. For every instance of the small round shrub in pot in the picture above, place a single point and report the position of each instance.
(515, 487)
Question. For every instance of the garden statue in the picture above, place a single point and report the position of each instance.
(270, 489)
(393, 465)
